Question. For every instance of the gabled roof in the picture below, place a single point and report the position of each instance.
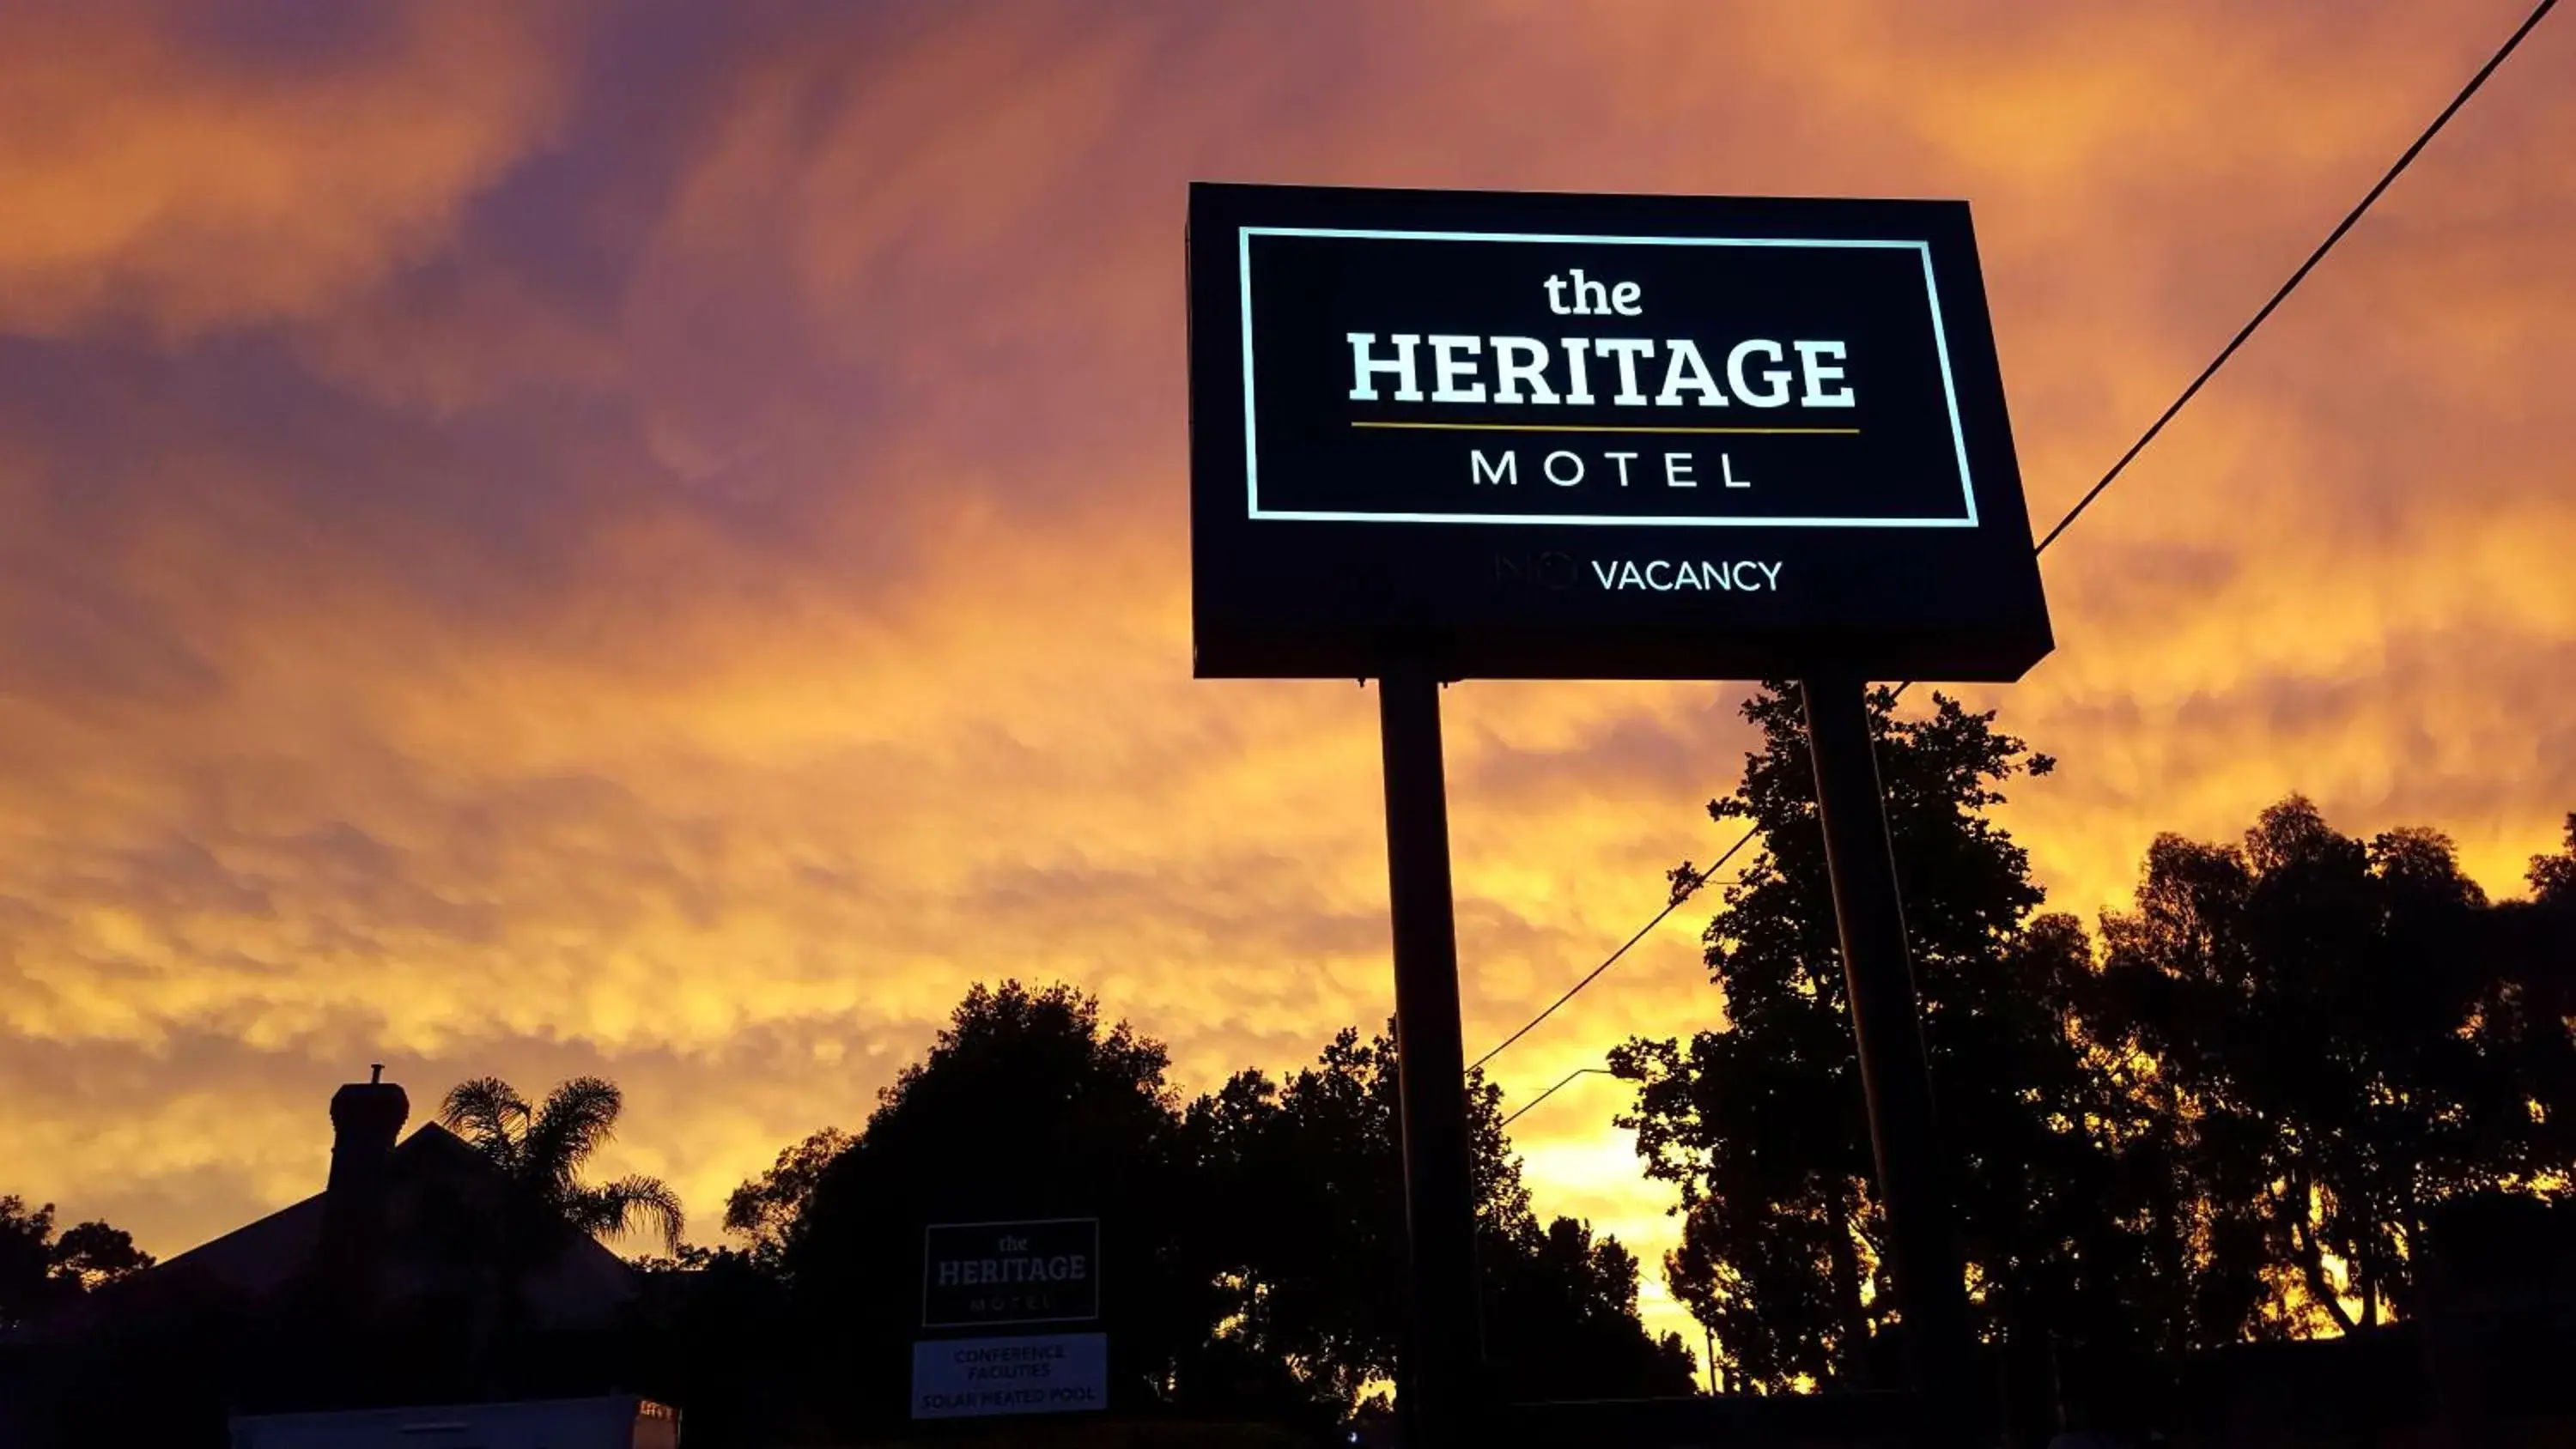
(434, 1180)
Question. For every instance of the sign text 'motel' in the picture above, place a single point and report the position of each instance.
(1599, 437)
(1019, 1272)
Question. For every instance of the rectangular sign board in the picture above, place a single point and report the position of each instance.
(955, 1378)
(1043, 1271)
(1566, 436)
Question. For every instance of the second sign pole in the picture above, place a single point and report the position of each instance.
(1878, 982)
(1443, 1356)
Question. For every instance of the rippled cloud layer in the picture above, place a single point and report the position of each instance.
(537, 540)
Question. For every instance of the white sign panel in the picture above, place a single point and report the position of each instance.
(1051, 1373)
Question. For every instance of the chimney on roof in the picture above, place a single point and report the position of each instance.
(365, 1119)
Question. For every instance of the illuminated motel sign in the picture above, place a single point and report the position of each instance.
(1598, 437)
(1438, 436)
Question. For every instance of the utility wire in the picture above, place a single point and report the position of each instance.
(2538, 13)
(1550, 1092)
(1686, 886)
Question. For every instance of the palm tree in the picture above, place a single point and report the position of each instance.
(543, 1149)
(540, 1151)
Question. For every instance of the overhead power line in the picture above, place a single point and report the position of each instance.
(2403, 161)
(1683, 889)
(1687, 886)
(1552, 1091)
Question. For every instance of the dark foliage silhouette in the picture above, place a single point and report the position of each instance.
(2233, 1118)
(1026, 1106)
(1760, 1123)
(39, 1270)
(2336, 1031)
(764, 1209)
(1309, 1176)
(2306, 1083)
(1251, 1239)
(2553, 877)
(543, 1149)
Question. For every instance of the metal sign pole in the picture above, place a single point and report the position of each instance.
(1895, 1078)
(1364, 365)
(1442, 1358)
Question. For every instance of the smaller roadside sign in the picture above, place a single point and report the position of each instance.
(1042, 1271)
(957, 1378)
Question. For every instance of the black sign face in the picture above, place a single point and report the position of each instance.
(1598, 437)
(973, 1274)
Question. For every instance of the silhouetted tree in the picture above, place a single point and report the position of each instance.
(2236, 1124)
(541, 1151)
(722, 1333)
(1761, 1123)
(2325, 1020)
(1252, 1241)
(717, 1336)
(1307, 1224)
(1027, 1106)
(1310, 1194)
(544, 1149)
(765, 1209)
(1560, 1311)
(39, 1271)
(2553, 877)
(2528, 1006)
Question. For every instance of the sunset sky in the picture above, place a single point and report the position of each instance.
(651, 539)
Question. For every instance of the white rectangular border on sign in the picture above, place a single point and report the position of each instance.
(1931, 296)
(929, 1228)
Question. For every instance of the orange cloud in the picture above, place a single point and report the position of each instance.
(159, 176)
(537, 546)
